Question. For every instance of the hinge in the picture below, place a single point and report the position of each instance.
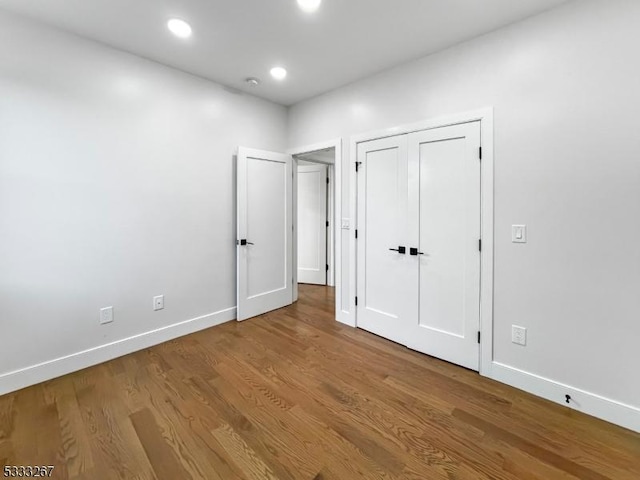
(480, 245)
(356, 301)
(327, 180)
(357, 166)
(480, 152)
(478, 337)
(327, 267)
(327, 223)
(356, 233)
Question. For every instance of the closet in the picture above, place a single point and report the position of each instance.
(418, 246)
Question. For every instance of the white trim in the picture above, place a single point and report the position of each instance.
(581, 400)
(25, 377)
(485, 117)
(341, 315)
(331, 234)
(438, 122)
(295, 228)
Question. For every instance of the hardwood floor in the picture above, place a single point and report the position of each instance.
(295, 395)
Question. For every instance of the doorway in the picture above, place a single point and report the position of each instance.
(324, 154)
(315, 230)
(268, 225)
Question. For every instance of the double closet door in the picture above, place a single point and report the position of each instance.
(418, 261)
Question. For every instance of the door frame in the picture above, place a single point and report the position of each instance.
(335, 202)
(485, 117)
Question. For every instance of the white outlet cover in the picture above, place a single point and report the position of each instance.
(346, 224)
(106, 315)
(518, 335)
(158, 302)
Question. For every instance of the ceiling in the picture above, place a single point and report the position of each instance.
(345, 40)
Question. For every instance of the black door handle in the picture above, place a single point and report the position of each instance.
(243, 242)
(401, 250)
(414, 252)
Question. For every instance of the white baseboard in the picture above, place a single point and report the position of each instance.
(25, 377)
(586, 402)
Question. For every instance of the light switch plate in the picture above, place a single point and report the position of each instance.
(519, 233)
(346, 224)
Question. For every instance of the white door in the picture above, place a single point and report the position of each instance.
(265, 232)
(444, 198)
(387, 279)
(312, 224)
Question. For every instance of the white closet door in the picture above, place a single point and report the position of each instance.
(312, 224)
(387, 280)
(265, 225)
(444, 197)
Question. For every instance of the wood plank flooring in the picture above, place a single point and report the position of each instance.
(294, 395)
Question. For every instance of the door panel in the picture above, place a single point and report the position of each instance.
(446, 164)
(264, 232)
(386, 279)
(312, 224)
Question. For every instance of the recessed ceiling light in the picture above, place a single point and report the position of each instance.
(278, 73)
(179, 28)
(309, 5)
(252, 81)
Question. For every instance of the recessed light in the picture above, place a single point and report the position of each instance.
(179, 28)
(252, 81)
(309, 5)
(278, 73)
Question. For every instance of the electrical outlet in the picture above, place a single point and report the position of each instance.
(106, 315)
(518, 335)
(158, 302)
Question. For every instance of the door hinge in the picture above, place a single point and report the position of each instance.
(356, 233)
(356, 301)
(357, 166)
(480, 152)
(327, 265)
(480, 245)
(327, 223)
(478, 337)
(327, 180)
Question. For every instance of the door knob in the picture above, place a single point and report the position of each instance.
(243, 242)
(401, 250)
(414, 252)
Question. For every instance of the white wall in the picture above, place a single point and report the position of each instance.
(116, 184)
(565, 90)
